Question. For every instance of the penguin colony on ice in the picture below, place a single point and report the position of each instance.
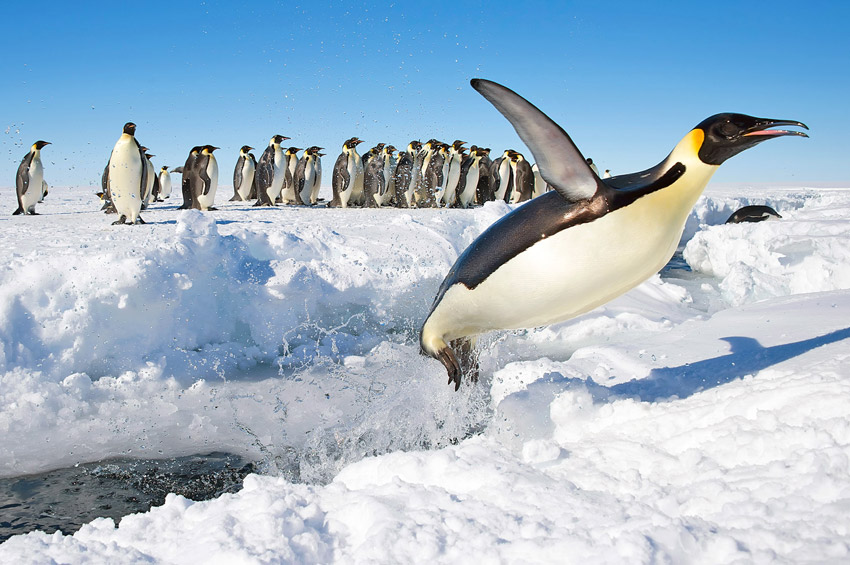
(587, 241)
(429, 175)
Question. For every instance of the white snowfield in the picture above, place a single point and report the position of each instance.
(701, 418)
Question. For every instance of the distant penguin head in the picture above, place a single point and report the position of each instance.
(164, 168)
(726, 135)
(210, 148)
(389, 150)
(457, 144)
(292, 150)
(245, 148)
(278, 139)
(39, 144)
(130, 128)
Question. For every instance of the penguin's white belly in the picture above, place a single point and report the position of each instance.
(309, 178)
(164, 185)
(277, 183)
(566, 274)
(248, 170)
(125, 174)
(206, 200)
(317, 184)
(35, 188)
(468, 194)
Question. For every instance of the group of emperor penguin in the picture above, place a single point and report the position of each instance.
(430, 175)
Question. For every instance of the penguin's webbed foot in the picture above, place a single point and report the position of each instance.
(447, 357)
(119, 221)
(18, 212)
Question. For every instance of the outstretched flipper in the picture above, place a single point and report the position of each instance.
(560, 162)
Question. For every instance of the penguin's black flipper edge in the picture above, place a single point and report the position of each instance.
(560, 162)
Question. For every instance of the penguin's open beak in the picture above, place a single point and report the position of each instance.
(762, 128)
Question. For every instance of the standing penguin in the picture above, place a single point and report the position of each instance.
(243, 174)
(270, 172)
(151, 179)
(288, 191)
(373, 182)
(455, 160)
(317, 179)
(164, 183)
(206, 169)
(484, 191)
(468, 181)
(305, 175)
(127, 177)
(29, 180)
(431, 178)
(501, 179)
(583, 243)
(523, 178)
(188, 174)
(403, 176)
(347, 173)
(386, 196)
(540, 185)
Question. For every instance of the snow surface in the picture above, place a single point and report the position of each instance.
(700, 418)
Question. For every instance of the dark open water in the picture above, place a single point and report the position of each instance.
(66, 499)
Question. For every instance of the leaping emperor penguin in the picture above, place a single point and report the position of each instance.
(29, 181)
(127, 176)
(585, 242)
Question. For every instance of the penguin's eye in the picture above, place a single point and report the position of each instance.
(728, 129)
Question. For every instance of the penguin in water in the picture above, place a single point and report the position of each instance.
(288, 194)
(127, 177)
(583, 243)
(753, 214)
(243, 174)
(403, 175)
(29, 181)
(164, 183)
(305, 175)
(347, 173)
(189, 178)
(206, 179)
(270, 172)
(523, 178)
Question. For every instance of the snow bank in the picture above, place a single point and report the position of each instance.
(699, 418)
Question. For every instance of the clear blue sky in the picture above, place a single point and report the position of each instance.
(626, 79)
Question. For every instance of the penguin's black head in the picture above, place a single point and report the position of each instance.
(245, 148)
(39, 144)
(726, 135)
(130, 128)
(211, 148)
(293, 150)
(279, 138)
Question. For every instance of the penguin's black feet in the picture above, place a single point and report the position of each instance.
(467, 358)
(18, 212)
(212, 209)
(119, 221)
(447, 357)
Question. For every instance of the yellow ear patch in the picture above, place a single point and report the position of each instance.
(697, 136)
